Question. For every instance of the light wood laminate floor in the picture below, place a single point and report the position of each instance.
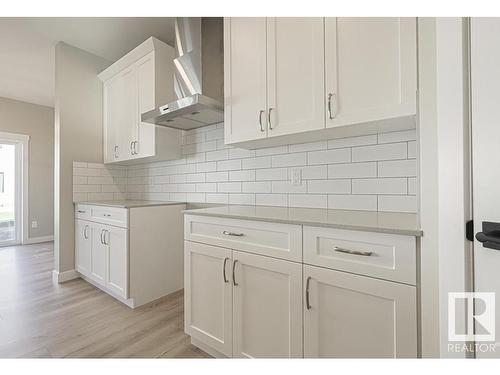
(41, 319)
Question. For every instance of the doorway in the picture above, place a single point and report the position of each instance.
(13, 187)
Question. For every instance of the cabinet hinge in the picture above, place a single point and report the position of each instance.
(469, 230)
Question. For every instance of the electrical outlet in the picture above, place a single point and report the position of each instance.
(296, 177)
(34, 224)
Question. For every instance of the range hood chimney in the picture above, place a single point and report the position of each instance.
(198, 76)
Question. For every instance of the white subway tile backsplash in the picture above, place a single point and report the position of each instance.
(352, 170)
(372, 172)
(209, 187)
(379, 186)
(229, 187)
(314, 172)
(217, 155)
(196, 177)
(229, 165)
(353, 141)
(394, 203)
(243, 175)
(342, 155)
(258, 162)
(289, 160)
(397, 168)
(248, 199)
(278, 200)
(308, 200)
(271, 151)
(329, 186)
(388, 151)
(195, 197)
(271, 174)
(240, 153)
(313, 146)
(206, 167)
(217, 176)
(287, 187)
(256, 187)
(222, 198)
(412, 150)
(400, 136)
(353, 202)
(412, 186)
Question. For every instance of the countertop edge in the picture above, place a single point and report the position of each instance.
(107, 204)
(403, 232)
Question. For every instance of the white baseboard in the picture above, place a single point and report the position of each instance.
(61, 277)
(40, 239)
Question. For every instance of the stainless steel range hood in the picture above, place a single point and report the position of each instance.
(198, 76)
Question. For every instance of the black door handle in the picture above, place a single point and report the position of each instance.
(490, 236)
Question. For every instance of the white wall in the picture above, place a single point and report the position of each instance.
(38, 122)
(78, 136)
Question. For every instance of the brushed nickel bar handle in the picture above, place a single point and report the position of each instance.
(269, 119)
(81, 211)
(85, 232)
(234, 278)
(102, 232)
(261, 112)
(308, 304)
(352, 252)
(226, 233)
(224, 270)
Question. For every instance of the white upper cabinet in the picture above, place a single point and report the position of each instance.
(295, 80)
(371, 71)
(245, 82)
(295, 75)
(138, 82)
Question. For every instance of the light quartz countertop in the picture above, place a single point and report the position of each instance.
(130, 203)
(382, 222)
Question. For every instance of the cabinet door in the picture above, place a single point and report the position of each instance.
(295, 75)
(267, 307)
(83, 246)
(128, 127)
(208, 295)
(245, 79)
(116, 240)
(145, 135)
(97, 254)
(113, 95)
(347, 316)
(370, 69)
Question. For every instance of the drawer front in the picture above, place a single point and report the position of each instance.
(282, 241)
(82, 211)
(109, 215)
(385, 256)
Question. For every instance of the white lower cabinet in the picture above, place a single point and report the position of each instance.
(101, 255)
(135, 254)
(208, 296)
(97, 254)
(347, 315)
(243, 305)
(83, 246)
(267, 307)
(117, 261)
(343, 296)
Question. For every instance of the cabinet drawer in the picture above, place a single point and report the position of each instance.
(82, 211)
(109, 215)
(385, 256)
(272, 239)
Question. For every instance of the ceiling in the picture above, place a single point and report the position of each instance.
(27, 48)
